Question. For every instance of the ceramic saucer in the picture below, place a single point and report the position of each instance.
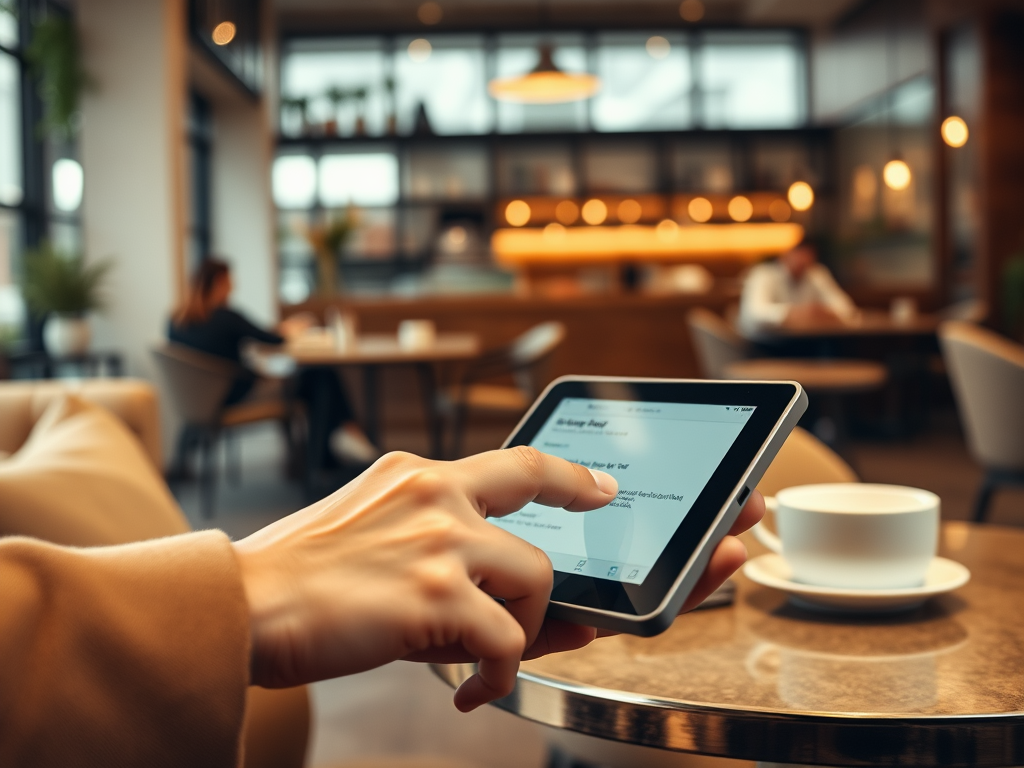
(773, 571)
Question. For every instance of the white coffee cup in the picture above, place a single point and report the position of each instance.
(855, 535)
(417, 334)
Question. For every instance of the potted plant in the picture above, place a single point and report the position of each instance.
(360, 94)
(337, 97)
(63, 289)
(298, 104)
(54, 58)
(328, 243)
(389, 90)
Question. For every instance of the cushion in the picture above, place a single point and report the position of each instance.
(82, 479)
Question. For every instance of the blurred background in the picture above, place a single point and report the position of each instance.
(381, 161)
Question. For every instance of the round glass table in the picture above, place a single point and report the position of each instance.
(764, 680)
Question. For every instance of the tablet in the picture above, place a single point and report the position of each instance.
(686, 455)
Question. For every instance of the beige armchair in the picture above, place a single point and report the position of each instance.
(277, 721)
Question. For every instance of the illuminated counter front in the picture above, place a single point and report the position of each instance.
(559, 246)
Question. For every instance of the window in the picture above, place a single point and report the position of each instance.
(334, 88)
(752, 81)
(646, 82)
(446, 76)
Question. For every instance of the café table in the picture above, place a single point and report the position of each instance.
(868, 323)
(372, 352)
(765, 680)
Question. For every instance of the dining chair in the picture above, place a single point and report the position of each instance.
(197, 384)
(482, 388)
(723, 354)
(986, 372)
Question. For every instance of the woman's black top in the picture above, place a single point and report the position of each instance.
(221, 334)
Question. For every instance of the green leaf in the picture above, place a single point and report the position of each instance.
(62, 283)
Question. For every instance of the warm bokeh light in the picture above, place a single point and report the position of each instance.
(420, 49)
(223, 33)
(896, 175)
(667, 230)
(700, 209)
(658, 47)
(779, 210)
(545, 87)
(517, 213)
(567, 212)
(629, 211)
(595, 212)
(800, 195)
(865, 184)
(691, 10)
(740, 208)
(430, 13)
(954, 131)
(554, 231)
(596, 245)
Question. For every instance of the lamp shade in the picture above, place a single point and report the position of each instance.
(545, 84)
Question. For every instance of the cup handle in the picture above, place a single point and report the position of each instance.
(761, 532)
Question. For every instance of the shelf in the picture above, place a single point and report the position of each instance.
(817, 132)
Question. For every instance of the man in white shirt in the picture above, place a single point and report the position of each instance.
(792, 291)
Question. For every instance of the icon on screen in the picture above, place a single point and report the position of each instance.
(613, 570)
(634, 573)
(579, 565)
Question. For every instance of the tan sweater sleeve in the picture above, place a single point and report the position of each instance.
(135, 655)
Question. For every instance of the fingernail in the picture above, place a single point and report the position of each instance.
(605, 482)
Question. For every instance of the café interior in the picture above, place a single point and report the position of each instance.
(445, 205)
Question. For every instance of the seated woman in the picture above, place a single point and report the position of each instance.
(206, 323)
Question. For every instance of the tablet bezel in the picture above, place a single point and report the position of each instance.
(770, 400)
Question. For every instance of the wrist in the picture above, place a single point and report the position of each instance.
(267, 604)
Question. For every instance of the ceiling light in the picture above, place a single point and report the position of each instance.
(545, 84)
(700, 209)
(419, 50)
(567, 212)
(954, 131)
(800, 195)
(430, 13)
(629, 211)
(896, 175)
(740, 208)
(691, 10)
(223, 33)
(658, 47)
(595, 212)
(517, 213)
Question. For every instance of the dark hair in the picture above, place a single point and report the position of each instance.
(196, 306)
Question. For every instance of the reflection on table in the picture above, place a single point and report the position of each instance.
(764, 680)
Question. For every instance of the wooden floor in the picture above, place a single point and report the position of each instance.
(402, 711)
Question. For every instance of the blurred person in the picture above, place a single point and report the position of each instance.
(141, 654)
(205, 322)
(793, 291)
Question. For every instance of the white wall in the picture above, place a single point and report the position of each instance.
(243, 226)
(132, 153)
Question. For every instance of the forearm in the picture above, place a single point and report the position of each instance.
(132, 655)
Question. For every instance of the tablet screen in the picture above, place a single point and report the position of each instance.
(662, 454)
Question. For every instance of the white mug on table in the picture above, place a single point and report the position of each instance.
(855, 535)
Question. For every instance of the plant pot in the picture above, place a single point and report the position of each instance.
(66, 335)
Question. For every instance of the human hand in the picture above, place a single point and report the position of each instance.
(810, 315)
(401, 564)
(296, 325)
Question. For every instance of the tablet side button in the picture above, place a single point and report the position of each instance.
(741, 497)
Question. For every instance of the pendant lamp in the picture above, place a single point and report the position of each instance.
(895, 173)
(545, 84)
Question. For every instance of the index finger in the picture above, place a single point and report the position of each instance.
(503, 481)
